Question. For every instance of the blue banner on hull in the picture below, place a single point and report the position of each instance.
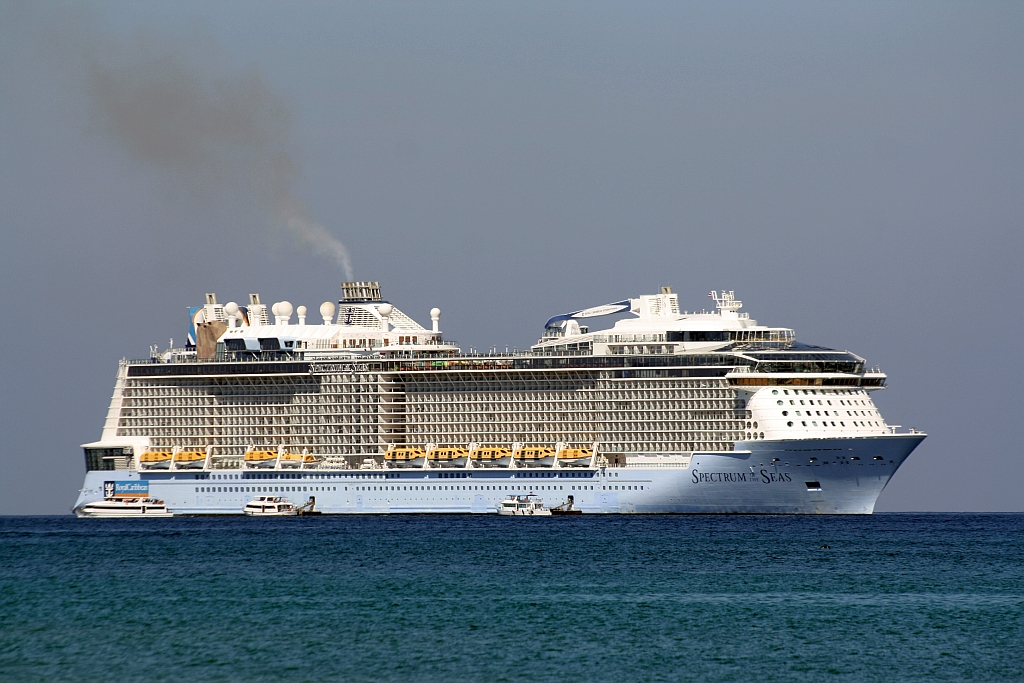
(126, 489)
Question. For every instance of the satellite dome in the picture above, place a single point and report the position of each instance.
(276, 308)
(301, 310)
(385, 309)
(231, 308)
(327, 311)
(285, 309)
(435, 313)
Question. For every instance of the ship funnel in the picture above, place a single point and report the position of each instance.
(360, 291)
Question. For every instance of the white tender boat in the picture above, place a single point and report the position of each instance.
(269, 506)
(523, 506)
(124, 507)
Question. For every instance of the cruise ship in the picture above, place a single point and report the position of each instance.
(369, 412)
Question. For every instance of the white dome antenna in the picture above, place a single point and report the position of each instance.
(385, 311)
(285, 308)
(435, 319)
(327, 312)
(301, 312)
(231, 310)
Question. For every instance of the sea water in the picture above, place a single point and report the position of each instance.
(483, 598)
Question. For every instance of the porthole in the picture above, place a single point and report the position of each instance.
(775, 392)
(762, 435)
(779, 403)
(755, 425)
(789, 424)
(785, 413)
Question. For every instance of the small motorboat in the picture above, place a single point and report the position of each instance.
(523, 506)
(123, 508)
(567, 508)
(269, 506)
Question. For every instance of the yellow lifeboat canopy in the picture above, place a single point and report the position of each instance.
(259, 456)
(447, 453)
(534, 453)
(489, 453)
(185, 457)
(155, 457)
(575, 454)
(404, 453)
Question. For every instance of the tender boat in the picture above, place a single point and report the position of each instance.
(269, 506)
(523, 506)
(290, 460)
(155, 460)
(578, 457)
(190, 459)
(260, 458)
(124, 507)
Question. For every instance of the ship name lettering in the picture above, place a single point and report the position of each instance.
(699, 477)
(769, 477)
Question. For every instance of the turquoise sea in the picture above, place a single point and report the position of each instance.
(889, 597)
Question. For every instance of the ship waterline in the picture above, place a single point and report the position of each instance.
(665, 412)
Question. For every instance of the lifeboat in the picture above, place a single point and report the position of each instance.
(535, 455)
(405, 456)
(155, 460)
(575, 456)
(448, 455)
(291, 460)
(188, 460)
(260, 458)
(491, 455)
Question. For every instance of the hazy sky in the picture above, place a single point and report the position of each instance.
(853, 170)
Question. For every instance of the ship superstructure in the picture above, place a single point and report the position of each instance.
(376, 412)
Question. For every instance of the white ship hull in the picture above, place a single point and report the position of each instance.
(813, 476)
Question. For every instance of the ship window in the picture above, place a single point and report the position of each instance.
(804, 424)
(789, 424)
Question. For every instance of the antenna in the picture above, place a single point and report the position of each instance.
(727, 302)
